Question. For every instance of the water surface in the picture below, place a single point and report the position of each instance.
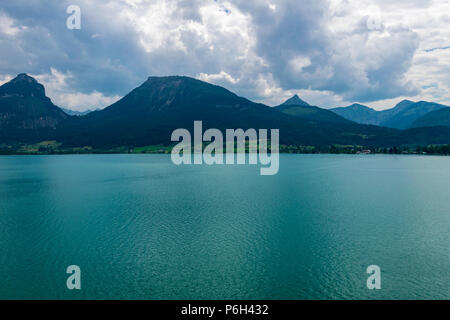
(141, 228)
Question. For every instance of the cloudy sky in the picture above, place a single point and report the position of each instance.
(330, 52)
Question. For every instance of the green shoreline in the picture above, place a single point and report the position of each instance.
(55, 148)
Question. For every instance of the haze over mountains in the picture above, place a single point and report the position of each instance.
(149, 114)
(76, 113)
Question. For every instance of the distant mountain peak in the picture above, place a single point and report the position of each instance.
(295, 101)
(359, 106)
(23, 85)
(404, 103)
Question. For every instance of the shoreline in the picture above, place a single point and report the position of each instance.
(165, 153)
(56, 148)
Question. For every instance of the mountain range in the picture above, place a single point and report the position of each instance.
(402, 116)
(439, 117)
(149, 114)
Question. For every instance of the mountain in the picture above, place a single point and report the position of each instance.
(76, 113)
(399, 107)
(436, 118)
(403, 116)
(24, 108)
(149, 114)
(295, 101)
(304, 111)
(400, 117)
(359, 113)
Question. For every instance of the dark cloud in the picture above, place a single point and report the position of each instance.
(256, 48)
(337, 63)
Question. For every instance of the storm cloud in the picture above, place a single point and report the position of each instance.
(330, 52)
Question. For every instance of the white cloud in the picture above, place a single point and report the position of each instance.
(5, 78)
(298, 63)
(8, 25)
(428, 20)
(217, 77)
(82, 102)
(329, 51)
(62, 95)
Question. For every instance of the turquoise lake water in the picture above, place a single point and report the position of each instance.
(140, 227)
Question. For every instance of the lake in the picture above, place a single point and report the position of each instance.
(140, 227)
